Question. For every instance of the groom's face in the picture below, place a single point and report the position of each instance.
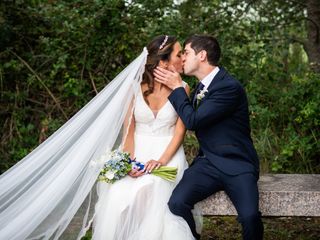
(190, 60)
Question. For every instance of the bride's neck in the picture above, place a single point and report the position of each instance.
(157, 86)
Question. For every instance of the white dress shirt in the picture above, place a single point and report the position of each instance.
(208, 79)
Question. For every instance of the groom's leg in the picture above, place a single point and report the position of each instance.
(243, 192)
(198, 183)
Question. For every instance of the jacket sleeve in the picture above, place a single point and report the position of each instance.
(218, 104)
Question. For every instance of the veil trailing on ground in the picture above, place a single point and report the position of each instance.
(50, 193)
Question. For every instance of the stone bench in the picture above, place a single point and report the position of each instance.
(280, 195)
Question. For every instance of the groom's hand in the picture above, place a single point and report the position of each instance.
(171, 78)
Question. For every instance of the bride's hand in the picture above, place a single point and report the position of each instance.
(152, 164)
(136, 173)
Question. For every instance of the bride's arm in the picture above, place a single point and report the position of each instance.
(177, 139)
(128, 139)
(173, 146)
(128, 145)
(128, 131)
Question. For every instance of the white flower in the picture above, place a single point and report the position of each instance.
(103, 158)
(201, 95)
(93, 163)
(109, 175)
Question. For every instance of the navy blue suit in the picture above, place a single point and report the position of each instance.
(227, 159)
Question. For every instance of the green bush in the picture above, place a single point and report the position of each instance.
(55, 55)
(286, 124)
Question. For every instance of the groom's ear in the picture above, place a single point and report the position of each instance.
(203, 55)
(163, 64)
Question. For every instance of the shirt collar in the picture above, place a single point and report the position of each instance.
(208, 79)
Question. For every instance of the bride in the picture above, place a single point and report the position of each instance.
(136, 206)
(46, 194)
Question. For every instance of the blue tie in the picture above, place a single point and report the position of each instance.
(198, 89)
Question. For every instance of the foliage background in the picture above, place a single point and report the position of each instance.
(56, 55)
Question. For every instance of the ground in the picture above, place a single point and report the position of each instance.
(284, 228)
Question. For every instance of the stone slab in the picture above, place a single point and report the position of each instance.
(280, 195)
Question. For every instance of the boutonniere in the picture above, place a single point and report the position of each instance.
(201, 95)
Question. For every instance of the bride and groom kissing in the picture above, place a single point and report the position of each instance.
(217, 111)
(42, 193)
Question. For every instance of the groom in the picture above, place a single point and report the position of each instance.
(218, 113)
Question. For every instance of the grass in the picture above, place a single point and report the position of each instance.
(275, 228)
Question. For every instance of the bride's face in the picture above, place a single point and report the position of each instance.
(175, 57)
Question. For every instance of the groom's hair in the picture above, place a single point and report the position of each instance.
(207, 43)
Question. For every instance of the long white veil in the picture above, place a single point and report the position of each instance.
(54, 184)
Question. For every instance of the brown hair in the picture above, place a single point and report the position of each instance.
(155, 54)
(207, 43)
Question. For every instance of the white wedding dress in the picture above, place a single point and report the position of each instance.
(136, 208)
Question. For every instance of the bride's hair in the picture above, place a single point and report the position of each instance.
(160, 48)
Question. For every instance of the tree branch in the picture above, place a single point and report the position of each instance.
(84, 62)
(42, 83)
(316, 27)
(298, 40)
(92, 83)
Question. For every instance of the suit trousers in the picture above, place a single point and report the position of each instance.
(203, 179)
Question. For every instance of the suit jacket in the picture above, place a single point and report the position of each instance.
(221, 124)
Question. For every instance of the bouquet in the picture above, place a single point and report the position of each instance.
(116, 167)
(120, 164)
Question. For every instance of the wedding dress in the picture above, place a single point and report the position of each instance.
(51, 193)
(136, 208)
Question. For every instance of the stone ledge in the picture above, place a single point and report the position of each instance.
(280, 195)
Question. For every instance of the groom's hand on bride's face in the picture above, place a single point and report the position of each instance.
(171, 78)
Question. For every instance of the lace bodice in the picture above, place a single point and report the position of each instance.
(148, 122)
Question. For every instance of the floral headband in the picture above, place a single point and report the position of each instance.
(164, 42)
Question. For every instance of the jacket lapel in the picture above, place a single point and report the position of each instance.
(219, 76)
